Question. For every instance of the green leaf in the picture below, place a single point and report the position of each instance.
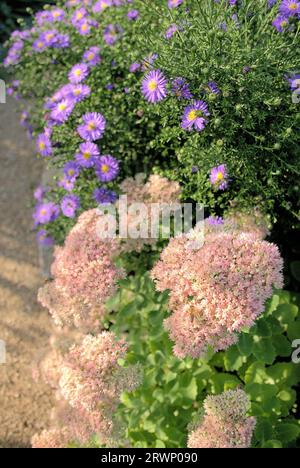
(263, 430)
(272, 444)
(233, 360)
(282, 345)
(293, 331)
(245, 344)
(287, 432)
(263, 350)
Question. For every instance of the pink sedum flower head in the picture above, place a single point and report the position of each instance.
(154, 86)
(216, 289)
(53, 439)
(224, 423)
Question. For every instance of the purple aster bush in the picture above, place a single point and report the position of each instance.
(107, 168)
(154, 86)
(195, 116)
(93, 126)
(69, 205)
(87, 155)
(44, 145)
(78, 73)
(219, 177)
(78, 93)
(79, 15)
(67, 183)
(104, 196)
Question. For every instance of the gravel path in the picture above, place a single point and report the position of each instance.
(24, 326)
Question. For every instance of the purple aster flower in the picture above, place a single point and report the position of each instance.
(44, 146)
(67, 183)
(174, 3)
(78, 16)
(112, 33)
(87, 155)
(84, 27)
(44, 239)
(24, 119)
(42, 17)
(215, 221)
(71, 170)
(92, 56)
(49, 37)
(181, 88)
(62, 111)
(57, 14)
(194, 116)
(78, 92)
(93, 127)
(195, 169)
(78, 73)
(39, 45)
(104, 196)
(101, 5)
(171, 31)
(281, 23)
(134, 67)
(213, 87)
(45, 213)
(271, 3)
(69, 205)
(63, 41)
(219, 177)
(107, 168)
(289, 8)
(40, 193)
(109, 87)
(133, 15)
(154, 86)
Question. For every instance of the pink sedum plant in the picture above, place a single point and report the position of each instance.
(224, 423)
(84, 277)
(216, 290)
(54, 439)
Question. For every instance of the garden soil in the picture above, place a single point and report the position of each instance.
(24, 326)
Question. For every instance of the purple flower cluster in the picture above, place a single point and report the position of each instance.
(112, 33)
(83, 22)
(93, 126)
(181, 88)
(92, 56)
(69, 205)
(44, 145)
(288, 11)
(14, 54)
(45, 213)
(51, 38)
(78, 73)
(107, 168)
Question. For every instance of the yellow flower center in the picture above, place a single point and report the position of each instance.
(77, 92)
(84, 27)
(192, 115)
(283, 23)
(87, 155)
(78, 72)
(91, 56)
(56, 14)
(42, 145)
(40, 45)
(220, 176)
(79, 15)
(71, 172)
(43, 212)
(103, 5)
(62, 106)
(92, 126)
(104, 168)
(152, 85)
(49, 37)
(293, 6)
